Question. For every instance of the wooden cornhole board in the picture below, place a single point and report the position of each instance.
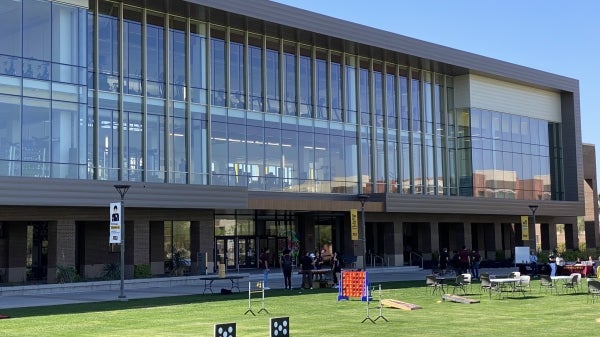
(399, 305)
(458, 299)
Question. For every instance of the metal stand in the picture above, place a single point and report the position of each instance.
(262, 291)
(380, 307)
(368, 318)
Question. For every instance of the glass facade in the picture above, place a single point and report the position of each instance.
(510, 156)
(175, 98)
(42, 90)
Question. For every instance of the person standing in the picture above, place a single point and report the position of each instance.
(560, 263)
(533, 260)
(552, 263)
(336, 268)
(264, 264)
(444, 257)
(318, 262)
(286, 267)
(307, 265)
(475, 259)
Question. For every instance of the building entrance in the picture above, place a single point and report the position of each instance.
(37, 251)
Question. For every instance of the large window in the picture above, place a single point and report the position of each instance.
(43, 133)
(198, 62)
(177, 248)
(217, 67)
(306, 77)
(155, 58)
(255, 60)
(290, 80)
(510, 156)
(132, 53)
(272, 74)
(237, 71)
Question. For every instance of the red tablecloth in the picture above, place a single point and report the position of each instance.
(583, 270)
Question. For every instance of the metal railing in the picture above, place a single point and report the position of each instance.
(419, 256)
(379, 259)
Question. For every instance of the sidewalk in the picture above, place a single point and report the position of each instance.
(89, 292)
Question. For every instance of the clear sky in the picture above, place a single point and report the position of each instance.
(561, 37)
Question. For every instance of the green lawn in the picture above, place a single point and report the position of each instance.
(316, 313)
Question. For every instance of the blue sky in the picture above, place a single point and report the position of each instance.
(561, 37)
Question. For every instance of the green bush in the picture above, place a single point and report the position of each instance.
(112, 271)
(142, 271)
(66, 274)
(500, 255)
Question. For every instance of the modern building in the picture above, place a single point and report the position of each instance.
(240, 125)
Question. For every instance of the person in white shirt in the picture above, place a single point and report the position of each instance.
(560, 263)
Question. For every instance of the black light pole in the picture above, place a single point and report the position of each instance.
(122, 189)
(533, 208)
(363, 199)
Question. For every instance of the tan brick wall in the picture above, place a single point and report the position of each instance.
(141, 242)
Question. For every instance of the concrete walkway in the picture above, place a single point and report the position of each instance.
(89, 292)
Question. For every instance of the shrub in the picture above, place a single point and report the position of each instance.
(142, 271)
(66, 274)
(112, 271)
(500, 255)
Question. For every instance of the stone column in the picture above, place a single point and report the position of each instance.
(62, 243)
(468, 240)
(552, 240)
(204, 234)
(397, 258)
(434, 238)
(497, 239)
(141, 243)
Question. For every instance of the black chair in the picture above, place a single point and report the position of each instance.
(459, 282)
(593, 290)
(486, 285)
(432, 282)
(546, 283)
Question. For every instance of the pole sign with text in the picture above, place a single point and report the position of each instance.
(354, 224)
(115, 223)
(524, 227)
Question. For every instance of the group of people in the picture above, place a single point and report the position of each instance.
(461, 261)
(309, 262)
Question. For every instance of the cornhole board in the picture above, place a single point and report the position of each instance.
(458, 299)
(400, 305)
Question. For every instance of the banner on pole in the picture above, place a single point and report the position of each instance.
(354, 224)
(525, 227)
(115, 223)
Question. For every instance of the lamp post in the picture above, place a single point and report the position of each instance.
(363, 199)
(122, 189)
(534, 208)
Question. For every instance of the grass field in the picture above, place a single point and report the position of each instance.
(315, 313)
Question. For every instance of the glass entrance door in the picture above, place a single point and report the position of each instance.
(247, 252)
(225, 251)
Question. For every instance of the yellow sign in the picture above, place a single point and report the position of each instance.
(525, 227)
(354, 223)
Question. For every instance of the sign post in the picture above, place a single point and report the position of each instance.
(120, 218)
